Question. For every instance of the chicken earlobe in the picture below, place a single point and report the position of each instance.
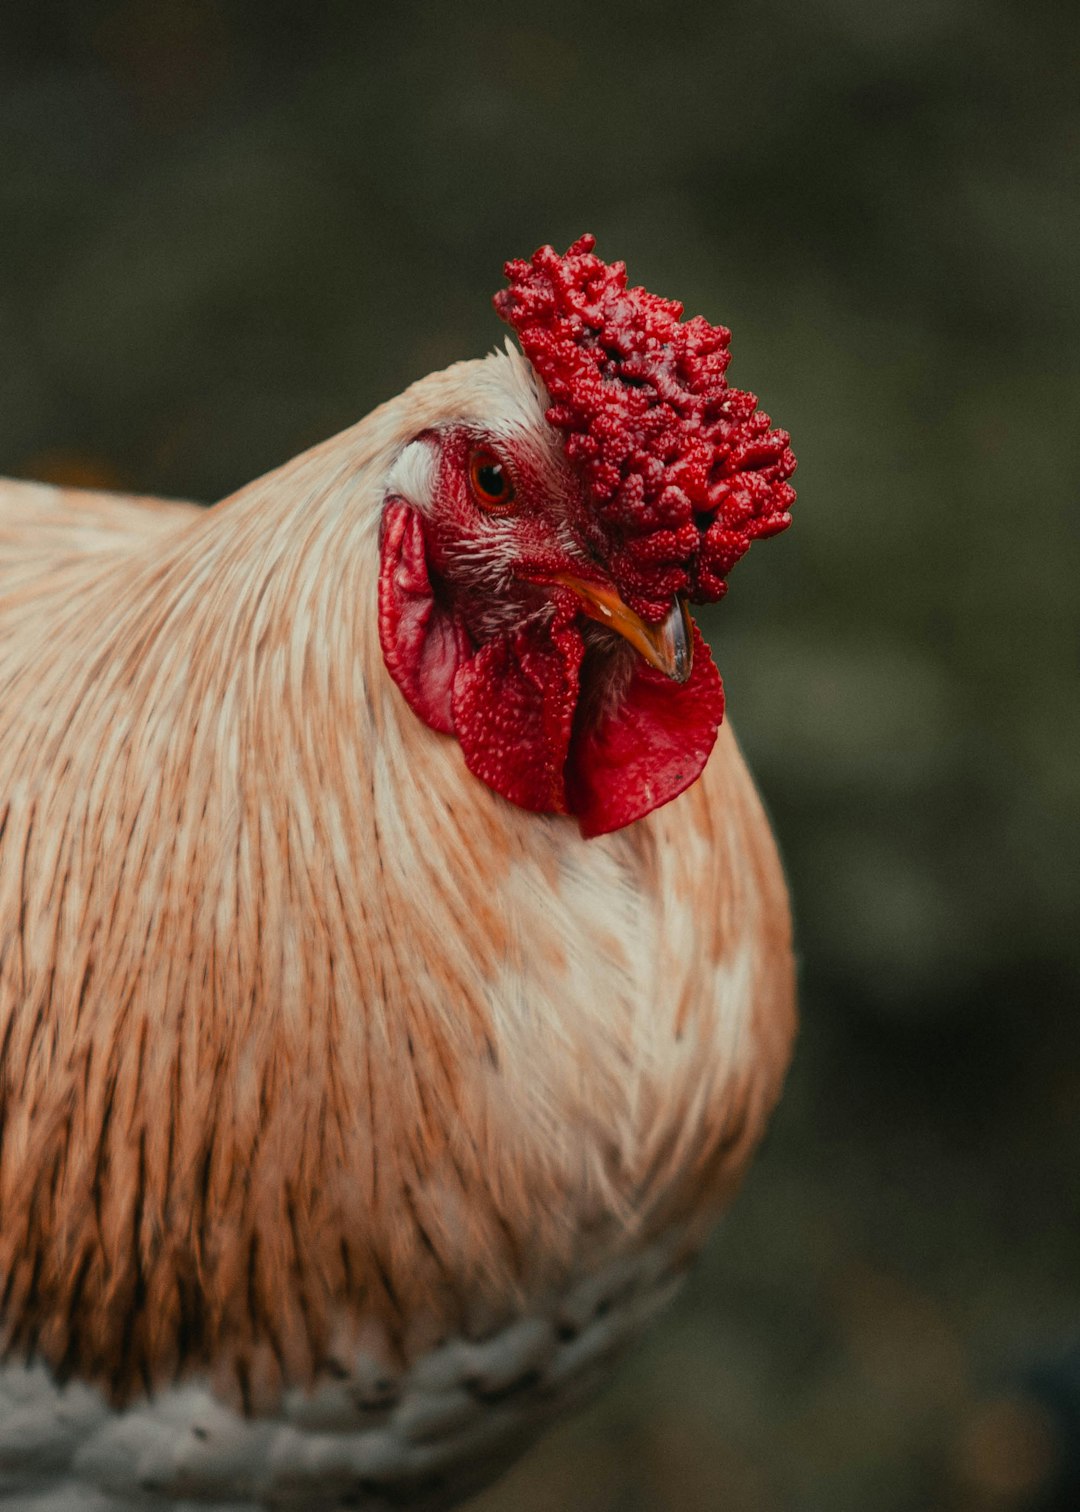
(422, 644)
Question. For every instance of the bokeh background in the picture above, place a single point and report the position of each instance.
(228, 229)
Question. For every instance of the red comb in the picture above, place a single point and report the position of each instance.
(683, 471)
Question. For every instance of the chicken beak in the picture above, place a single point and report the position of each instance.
(669, 646)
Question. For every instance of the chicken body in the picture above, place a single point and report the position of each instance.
(352, 1117)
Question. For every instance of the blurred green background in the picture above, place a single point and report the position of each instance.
(227, 230)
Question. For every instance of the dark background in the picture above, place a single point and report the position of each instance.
(227, 230)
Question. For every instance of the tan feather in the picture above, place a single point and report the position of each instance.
(300, 1025)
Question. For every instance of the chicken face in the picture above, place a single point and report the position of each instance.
(535, 574)
(509, 528)
(502, 624)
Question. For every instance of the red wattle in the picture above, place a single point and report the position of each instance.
(514, 708)
(650, 749)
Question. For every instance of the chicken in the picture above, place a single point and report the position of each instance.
(393, 987)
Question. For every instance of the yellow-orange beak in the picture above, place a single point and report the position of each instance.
(669, 647)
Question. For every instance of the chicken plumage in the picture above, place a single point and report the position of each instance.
(353, 1116)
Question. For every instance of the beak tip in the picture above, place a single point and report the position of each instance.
(679, 642)
(668, 646)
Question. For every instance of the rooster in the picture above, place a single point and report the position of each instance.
(395, 965)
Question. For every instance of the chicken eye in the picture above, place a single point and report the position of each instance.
(490, 482)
